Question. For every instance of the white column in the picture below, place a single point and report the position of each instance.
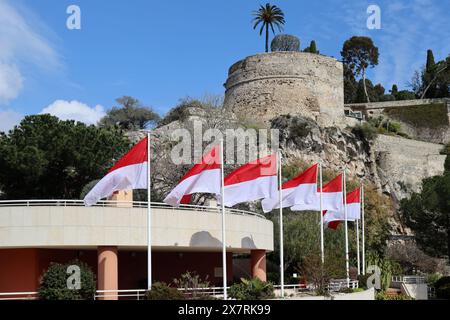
(357, 247)
(347, 266)
(281, 225)
(322, 246)
(362, 230)
(149, 220)
(224, 245)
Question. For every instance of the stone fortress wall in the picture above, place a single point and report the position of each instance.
(266, 85)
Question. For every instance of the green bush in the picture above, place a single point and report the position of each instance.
(253, 289)
(366, 132)
(433, 278)
(161, 291)
(53, 284)
(442, 287)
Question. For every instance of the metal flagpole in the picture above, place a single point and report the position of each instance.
(362, 231)
(357, 247)
(224, 246)
(322, 247)
(280, 191)
(149, 220)
(347, 266)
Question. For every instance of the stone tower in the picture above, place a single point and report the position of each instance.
(263, 86)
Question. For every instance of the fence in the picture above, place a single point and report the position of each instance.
(121, 204)
(139, 294)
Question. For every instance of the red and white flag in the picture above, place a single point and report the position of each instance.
(300, 191)
(332, 198)
(203, 177)
(130, 172)
(253, 181)
(353, 208)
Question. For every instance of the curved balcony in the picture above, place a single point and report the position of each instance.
(69, 224)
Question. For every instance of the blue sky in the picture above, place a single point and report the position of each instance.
(161, 51)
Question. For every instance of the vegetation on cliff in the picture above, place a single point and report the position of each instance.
(428, 214)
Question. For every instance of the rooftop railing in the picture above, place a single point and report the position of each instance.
(122, 204)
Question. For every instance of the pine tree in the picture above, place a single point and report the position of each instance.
(313, 47)
(429, 74)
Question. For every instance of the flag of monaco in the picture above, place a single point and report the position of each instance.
(203, 177)
(353, 208)
(300, 191)
(130, 172)
(252, 181)
(332, 198)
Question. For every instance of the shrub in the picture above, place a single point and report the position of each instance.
(53, 284)
(253, 289)
(383, 296)
(366, 132)
(162, 291)
(442, 287)
(285, 42)
(433, 278)
(193, 285)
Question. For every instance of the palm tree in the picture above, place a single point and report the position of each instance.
(268, 15)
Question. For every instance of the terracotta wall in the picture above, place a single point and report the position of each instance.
(169, 265)
(20, 269)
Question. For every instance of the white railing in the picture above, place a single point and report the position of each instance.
(18, 295)
(340, 284)
(139, 294)
(409, 279)
(121, 204)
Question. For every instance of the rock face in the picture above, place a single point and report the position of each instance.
(395, 165)
(403, 163)
(267, 85)
(303, 139)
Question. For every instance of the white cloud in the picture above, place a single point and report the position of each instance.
(75, 110)
(22, 47)
(8, 119)
(11, 82)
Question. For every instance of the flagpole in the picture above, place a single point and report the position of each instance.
(347, 266)
(280, 191)
(224, 247)
(322, 248)
(362, 230)
(357, 247)
(149, 221)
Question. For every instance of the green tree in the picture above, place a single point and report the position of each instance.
(434, 80)
(394, 90)
(44, 157)
(130, 115)
(428, 214)
(268, 16)
(350, 86)
(405, 95)
(312, 48)
(360, 53)
(429, 74)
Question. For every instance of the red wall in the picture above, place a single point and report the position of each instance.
(21, 269)
(18, 270)
(170, 265)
